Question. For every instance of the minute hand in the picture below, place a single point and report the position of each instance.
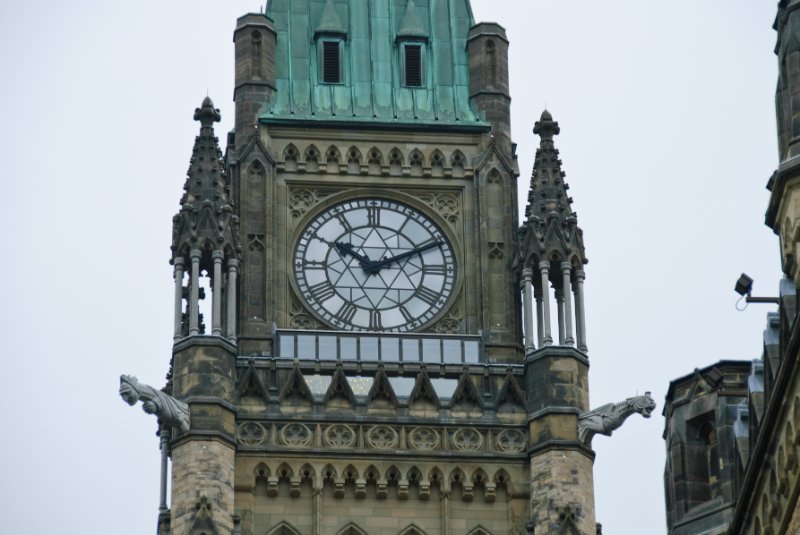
(386, 261)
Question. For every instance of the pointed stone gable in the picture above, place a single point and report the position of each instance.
(203, 523)
(423, 391)
(381, 389)
(466, 395)
(250, 384)
(330, 22)
(550, 229)
(296, 390)
(339, 389)
(510, 396)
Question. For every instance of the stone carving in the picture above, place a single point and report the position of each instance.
(251, 434)
(424, 438)
(340, 436)
(169, 410)
(301, 200)
(467, 439)
(606, 419)
(382, 437)
(511, 441)
(295, 435)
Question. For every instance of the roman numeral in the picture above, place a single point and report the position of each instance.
(346, 313)
(375, 323)
(435, 269)
(322, 292)
(407, 315)
(373, 216)
(344, 222)
(427, 295)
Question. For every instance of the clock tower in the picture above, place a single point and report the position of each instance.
(371, 364)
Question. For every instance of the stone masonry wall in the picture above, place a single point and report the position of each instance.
(202, 468)
(562, 479)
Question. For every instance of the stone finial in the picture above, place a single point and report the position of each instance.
(604, 420)
(546, 127)
(169, 410)
(207, 114)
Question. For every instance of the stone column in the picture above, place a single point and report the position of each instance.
(560, 311)
(527, 308)
(216, 305)
(566, 272)
(537, 291)
(580, 314)
(233, 264)
(178, 298)
(194, 295)
(165, 434)
(544, 268)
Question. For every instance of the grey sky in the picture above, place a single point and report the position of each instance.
(668, 139)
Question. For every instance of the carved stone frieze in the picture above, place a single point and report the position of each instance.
(296, 435)
(339, 436)
(251, 434)
(467, 439)
(301, 200)
(299, 318)
(511, 441)
(382, 437)
(424, 438)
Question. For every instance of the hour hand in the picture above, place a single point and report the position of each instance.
(346, 248)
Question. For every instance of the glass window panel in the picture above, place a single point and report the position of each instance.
(348, 348)
(402, 386)
(452, 351)
(410, 350)
(327, 347)
(306, 346)
(318, 384)
(287, 346)
(431, 350)
(369, 348)
(444, 387)
(471, 351)
(390, 349)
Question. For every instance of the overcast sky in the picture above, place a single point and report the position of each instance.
(668, 139)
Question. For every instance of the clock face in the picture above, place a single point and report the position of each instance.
(374, 265)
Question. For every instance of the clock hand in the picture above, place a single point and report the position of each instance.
(347, 248)
(376, 266)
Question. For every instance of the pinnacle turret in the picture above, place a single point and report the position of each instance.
(550, 252)
(549, 214)
(206, 219)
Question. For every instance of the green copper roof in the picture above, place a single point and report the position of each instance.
(371, 92)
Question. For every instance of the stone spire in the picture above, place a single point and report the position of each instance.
(205, 235)
(550, 227)
(206, 220)
(550, 253)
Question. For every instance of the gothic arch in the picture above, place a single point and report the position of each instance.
(396, 161)
(283, 528)
(290, 153)
(416, 158)
(489, 50)
(351, 529)
(375, 156)
(311, 154)
(437, 159)
(458, 160)
(479, 530)
(412, 529)
(332, 155)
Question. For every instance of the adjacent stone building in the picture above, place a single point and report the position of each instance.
(367, 340)
(733, 434)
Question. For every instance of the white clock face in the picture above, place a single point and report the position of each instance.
(374, 265)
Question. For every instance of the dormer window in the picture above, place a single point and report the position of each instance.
(413, 64)
(331, 61)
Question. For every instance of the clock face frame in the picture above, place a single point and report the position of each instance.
(374, 264)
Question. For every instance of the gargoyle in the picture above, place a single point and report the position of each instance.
(169, 410)
(605, 419)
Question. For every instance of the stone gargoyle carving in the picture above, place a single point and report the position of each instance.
(169, 410)
(604, 420)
